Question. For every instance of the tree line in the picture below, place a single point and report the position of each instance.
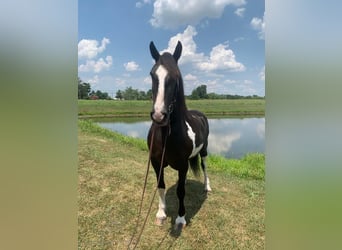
(85, 92)
(201, 93)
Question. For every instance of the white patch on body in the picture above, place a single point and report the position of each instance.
(161, 72)
(180, 220)
(192, 136)
(161, 208)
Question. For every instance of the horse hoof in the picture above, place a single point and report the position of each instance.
(179, 226)
(180, 222)
(160, 221)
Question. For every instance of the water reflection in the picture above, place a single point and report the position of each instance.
(230, 137)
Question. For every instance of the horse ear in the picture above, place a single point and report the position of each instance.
(154, 52)
(178, 51)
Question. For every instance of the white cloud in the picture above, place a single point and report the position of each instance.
(238, 39)
(96, 66)
(262, 74)
(221, 58)
(142, 3)
(171, 14)
(189, 53)
(231, 86)
(91, 48)
(259, 25)
(131, 66)
(244, 87)
(94, 80)
(229, 81)
(240, 12)
(147, 79)
(120, 81)
(190, 77)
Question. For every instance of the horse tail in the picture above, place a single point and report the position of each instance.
(194, 165)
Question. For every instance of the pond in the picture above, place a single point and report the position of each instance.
(229, 137)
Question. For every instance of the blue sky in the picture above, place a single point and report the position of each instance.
(223, 43)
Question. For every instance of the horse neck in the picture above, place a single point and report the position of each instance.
(180, 110)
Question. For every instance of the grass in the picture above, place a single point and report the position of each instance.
(89, 126)
(112, 108)
(250, 166)
(111, 174)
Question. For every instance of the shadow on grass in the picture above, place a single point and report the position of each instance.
(194, 199)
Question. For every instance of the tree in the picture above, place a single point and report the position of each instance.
(199, 93)
(131, 94)
(119, 95)
(149, 94)
(99, 95)
(214, 96)
(83, 89)
(142, 95)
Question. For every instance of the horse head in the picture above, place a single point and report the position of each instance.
(166, 79)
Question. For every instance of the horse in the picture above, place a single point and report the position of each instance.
(177, 136)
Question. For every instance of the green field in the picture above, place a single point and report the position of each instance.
(111, 174)
(115, 108)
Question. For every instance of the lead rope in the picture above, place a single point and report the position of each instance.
(143, 193)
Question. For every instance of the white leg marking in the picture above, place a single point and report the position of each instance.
(206, 178)
(161, 208)
(159, 105)
(180, 220)
(192, 136)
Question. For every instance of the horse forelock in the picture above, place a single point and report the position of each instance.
(170, 64)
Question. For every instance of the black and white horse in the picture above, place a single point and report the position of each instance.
(184, 131)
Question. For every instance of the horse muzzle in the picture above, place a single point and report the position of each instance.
(160, 118)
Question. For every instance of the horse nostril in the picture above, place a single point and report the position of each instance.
(158, 116)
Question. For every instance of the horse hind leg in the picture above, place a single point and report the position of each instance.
(207, 187)
(180, 220)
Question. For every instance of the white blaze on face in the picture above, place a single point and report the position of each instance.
(192, 136)
(161, 72)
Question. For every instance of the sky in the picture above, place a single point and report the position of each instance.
(223, 43)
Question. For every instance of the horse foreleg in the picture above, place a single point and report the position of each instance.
(181, 194)
(161, 215)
